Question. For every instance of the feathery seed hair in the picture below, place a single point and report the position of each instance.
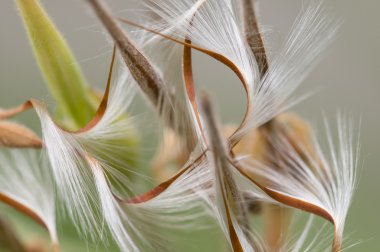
(271, 164)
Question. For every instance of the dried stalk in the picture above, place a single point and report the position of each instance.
(222, 165)
(147, 77)
(253, 36)
(337, 243)
(276, 218)
(142, 70)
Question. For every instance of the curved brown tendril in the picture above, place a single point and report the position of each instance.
(156, 191)
(288, 199)
(229, 189)
(103, 104)
(219, 57)
(36, 104)
(4, 114)
(189, 80)
(23, 209)
(147, 77)
(96, 118)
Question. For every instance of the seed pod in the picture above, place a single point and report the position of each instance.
(16, 135)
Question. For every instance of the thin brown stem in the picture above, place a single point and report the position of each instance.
(142, 70)
(147, 77)
(233, 198)
(22, 208)
(233, 141)
(337, 243)
(276, 222)
(253, 35)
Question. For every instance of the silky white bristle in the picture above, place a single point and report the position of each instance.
(84, 178)
(215, 25)
(25, 178)
(326, 179)
(67, 150)
(311, 33)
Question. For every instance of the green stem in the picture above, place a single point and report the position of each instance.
(60, 70)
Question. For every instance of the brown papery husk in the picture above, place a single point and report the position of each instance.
(17, 136)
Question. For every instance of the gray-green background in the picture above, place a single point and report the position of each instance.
(347, 78)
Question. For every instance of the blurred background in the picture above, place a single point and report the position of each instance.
(347, 78)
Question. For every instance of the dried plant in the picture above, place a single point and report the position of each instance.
(270, 165)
